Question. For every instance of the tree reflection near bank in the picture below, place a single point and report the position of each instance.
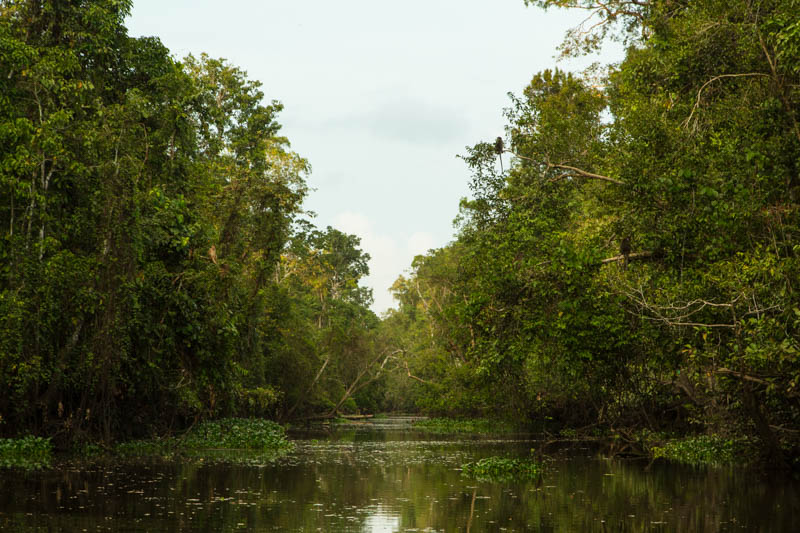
(364, 481)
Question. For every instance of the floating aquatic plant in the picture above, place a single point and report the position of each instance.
(702, 450)
(502, 469)
(208, 438)
(30, 453)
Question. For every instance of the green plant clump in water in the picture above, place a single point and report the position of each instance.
(238, 433)
(502, 469)
(227, 433)
(29, 452)
(470, 425)
(702, 450)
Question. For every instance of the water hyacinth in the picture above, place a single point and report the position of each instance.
(502, 469)
(30, 453)
(265, 438)
(238, 433)
(703, 450)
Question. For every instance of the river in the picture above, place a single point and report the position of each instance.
(384, 477)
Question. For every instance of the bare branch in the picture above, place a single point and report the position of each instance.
(310, 387)
(666, 314)
(702, 303)
(637, 255)
(408, 371)
(575, 170)
(781, 428)
(715, 78)
(586, 174)
(740, 375)
(560, 177)
(393, 354)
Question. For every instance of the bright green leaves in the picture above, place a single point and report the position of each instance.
(502, 469)
(322, 271)
(330, 263)
(639, 252)
(145, 205)
(705, 450)
(785, 30)
(256, 183)
(557, 120)
(231, 115)
(170, 226)
(29, 453)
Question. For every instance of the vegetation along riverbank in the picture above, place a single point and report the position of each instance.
(632, 266)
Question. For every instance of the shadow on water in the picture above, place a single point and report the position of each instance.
(376, 477)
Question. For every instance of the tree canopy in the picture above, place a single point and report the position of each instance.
(155, 265)
(636, 264)
(633, 268)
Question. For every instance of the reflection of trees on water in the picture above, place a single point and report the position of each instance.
(361, 485)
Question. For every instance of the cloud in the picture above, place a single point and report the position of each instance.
(420, 242)
(388, 256)
(407, 120)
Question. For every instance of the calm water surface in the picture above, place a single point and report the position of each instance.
(383, 479)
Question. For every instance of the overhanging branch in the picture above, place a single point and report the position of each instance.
(709, 82)
(574, 170)
(637, 255)
(585, 174)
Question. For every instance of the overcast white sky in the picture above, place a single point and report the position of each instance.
(380, 96)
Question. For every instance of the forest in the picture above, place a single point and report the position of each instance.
(626, 261)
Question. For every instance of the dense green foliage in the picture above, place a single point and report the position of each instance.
(237, 433)
(502, 469)
(27, 452)
(216, 439)
(154, 266)
(637, 264)
(703, 450)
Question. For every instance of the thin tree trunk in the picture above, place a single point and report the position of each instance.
(355, 387)
(310, 387)
(11, 223)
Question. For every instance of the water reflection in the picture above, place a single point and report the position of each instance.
(381, 522)
(365, 481)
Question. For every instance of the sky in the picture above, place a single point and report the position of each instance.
(379, 96)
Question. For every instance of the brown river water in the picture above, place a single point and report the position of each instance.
(385, 477)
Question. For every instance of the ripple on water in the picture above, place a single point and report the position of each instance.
(387, 481)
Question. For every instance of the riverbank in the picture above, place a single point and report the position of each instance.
(710, 450)
(267, 439)
(210, 439)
